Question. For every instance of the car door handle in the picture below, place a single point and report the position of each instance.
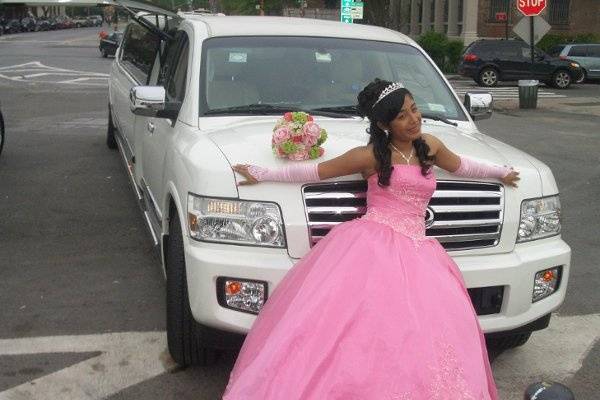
(150, 127)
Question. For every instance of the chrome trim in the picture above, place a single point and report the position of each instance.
(464, 192)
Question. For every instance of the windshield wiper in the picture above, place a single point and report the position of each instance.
(351, 110)
(263, 109)
(268, 109)
(438, 118)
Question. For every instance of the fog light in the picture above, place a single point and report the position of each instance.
(545, 283)
(242, 295)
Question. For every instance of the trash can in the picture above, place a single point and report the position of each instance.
(528, 93)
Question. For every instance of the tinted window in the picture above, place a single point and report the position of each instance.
(555, 51)
(578, 51)
(139, 51)
(594, 51)
(176, 83)
(314, 72)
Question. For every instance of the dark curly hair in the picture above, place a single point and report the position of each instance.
(385, 111)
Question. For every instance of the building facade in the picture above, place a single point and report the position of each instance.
(473, 19)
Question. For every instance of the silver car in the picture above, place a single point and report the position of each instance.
(587, 55)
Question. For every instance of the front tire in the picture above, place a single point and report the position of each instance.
(488, 77)
(184, 335)
(561, 79)
(501, 343)
(111, 141)
(582, 78)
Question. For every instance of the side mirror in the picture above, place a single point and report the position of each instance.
(147, 101)
(479, 105)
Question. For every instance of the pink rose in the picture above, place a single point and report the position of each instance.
(321, 151)
(279, 152)
(311, 133)
(297, 139)
(299, 155)
(281, 135)
(288, 116)
(310, 118)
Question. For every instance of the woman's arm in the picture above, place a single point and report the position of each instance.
(465, 166)
(353, 161)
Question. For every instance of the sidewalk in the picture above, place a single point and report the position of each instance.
(589, 105)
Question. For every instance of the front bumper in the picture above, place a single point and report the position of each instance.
(514, 271)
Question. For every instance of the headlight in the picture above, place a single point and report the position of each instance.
(235, 221)
(574, 65)
(540, 218)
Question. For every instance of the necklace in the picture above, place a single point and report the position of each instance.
(412, 151)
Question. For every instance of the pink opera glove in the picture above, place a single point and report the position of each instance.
(289, 173)
(475, 169)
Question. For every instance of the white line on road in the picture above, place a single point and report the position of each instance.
(555, 353)
(127, 359)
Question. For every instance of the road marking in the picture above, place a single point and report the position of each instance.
(501, 92)
(555, 353)
(130, 358)
(126, 360)
(37, 72)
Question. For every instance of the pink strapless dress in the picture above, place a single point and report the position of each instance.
(375, 311)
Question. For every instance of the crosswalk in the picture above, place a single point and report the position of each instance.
(503, 92)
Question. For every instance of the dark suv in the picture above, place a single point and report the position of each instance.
(490, 61)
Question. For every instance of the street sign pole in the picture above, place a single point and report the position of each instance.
(532, 44)
(506, 20)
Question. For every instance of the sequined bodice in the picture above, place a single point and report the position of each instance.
(403, 203)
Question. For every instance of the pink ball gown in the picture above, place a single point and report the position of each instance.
(375, 311)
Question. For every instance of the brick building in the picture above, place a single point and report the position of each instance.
(474, 19)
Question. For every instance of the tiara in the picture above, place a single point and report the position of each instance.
(389, 89)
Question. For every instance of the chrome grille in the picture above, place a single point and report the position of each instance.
(467, 215)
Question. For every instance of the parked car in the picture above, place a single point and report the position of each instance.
(53, 23)
(42, 24)
(109, 44)
(587, 55)
(28, 24)
(95, 20)
(182, 116)
(491, 61)
(13, 26)
(81, 22)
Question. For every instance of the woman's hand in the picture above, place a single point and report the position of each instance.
(511, 179)
(243, 170)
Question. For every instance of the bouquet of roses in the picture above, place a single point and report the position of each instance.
(297, 137)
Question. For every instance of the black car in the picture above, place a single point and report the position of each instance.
(110, 44)
(42, 24)
(28, 24)
(491, 61)
(12, 26)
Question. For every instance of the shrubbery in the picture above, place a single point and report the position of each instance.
(552, 39)
(445, 53)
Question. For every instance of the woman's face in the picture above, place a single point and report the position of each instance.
(407, 124)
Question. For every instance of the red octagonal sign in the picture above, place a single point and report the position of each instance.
(530, 8)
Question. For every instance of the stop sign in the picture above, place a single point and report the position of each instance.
(530, 8)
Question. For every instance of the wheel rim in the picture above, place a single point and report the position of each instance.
(582, 78)
(562, 79)
(488, 77)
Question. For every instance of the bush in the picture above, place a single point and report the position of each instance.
(553, 39)
(445, 53)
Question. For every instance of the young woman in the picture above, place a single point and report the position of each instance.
(376, 310)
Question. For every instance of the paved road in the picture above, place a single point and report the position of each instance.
(82, 293)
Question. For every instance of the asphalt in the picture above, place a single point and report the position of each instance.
(76, 258)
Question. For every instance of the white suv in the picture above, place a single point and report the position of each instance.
(201, 93)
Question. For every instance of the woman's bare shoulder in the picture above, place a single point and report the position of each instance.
(433, 142)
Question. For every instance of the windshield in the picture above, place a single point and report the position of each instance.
(311, 73)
